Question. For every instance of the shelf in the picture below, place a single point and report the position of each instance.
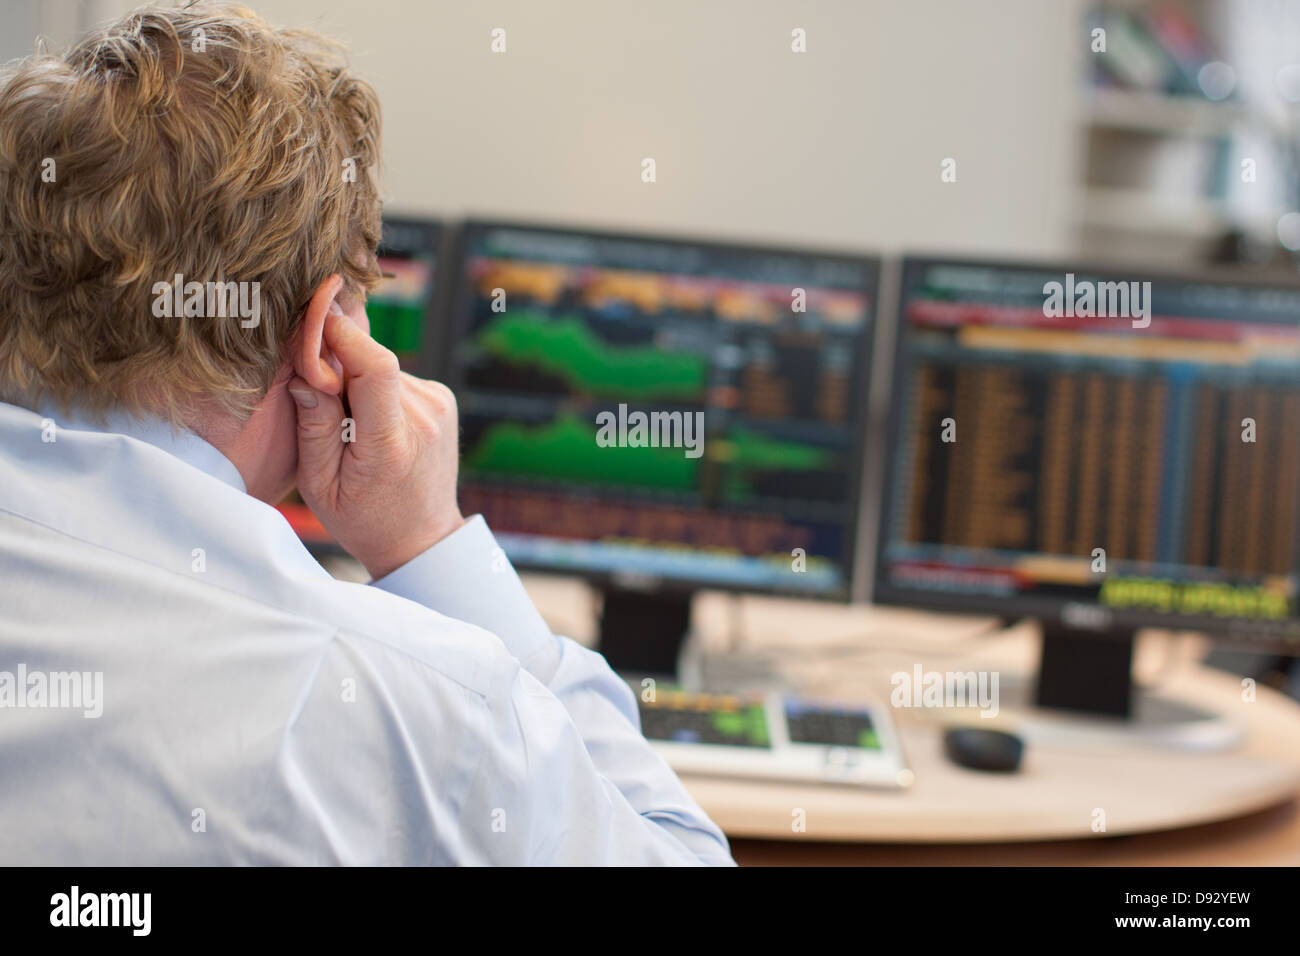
(1160, 114)
(1135, 210)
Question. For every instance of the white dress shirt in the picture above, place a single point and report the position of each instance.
(253, 709)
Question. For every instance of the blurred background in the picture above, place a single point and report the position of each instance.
(1135, 156)
(840, 146)
(1177, 146)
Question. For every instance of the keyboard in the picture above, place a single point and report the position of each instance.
(774, 736)
(706, 719)
(834, 727)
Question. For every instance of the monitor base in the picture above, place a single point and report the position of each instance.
(1159, 724)
(1084, 694)
(732, 672)
(642, 632)
(1156, 722)
(1086, 671)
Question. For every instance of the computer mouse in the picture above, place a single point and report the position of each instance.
(981, 749)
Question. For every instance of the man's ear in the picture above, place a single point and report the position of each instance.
(312, 359)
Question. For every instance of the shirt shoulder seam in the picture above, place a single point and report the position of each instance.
(335, 630)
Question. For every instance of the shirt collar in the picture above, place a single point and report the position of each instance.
(173, 439)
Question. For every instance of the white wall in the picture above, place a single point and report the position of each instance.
(839, 146)
(19, 23)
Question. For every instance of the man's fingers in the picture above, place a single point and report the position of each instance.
(371, 373)
(320, 437)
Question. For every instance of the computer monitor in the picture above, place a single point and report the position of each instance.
(662, 415)
(1103, 451)
(401, 310)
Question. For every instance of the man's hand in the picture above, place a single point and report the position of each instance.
(390, 493)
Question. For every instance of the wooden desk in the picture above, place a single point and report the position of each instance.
(1267, 838)
(1162, 807)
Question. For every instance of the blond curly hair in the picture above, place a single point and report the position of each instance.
(198, 141)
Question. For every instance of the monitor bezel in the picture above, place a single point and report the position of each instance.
(456, 326)
(1079, 614)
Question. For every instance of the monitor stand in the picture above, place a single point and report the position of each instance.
(1084, 694)
(646, 633)
(642, 631)
(1086, 671)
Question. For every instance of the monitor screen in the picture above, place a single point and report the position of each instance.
(684, 413)
(399, 307)
(1111, 449)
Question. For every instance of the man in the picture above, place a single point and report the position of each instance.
(188, 220)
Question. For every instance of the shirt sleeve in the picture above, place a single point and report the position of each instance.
(575, 719)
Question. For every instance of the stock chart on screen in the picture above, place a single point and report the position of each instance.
(399, 308)
(1145, 461)
(748, 363)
